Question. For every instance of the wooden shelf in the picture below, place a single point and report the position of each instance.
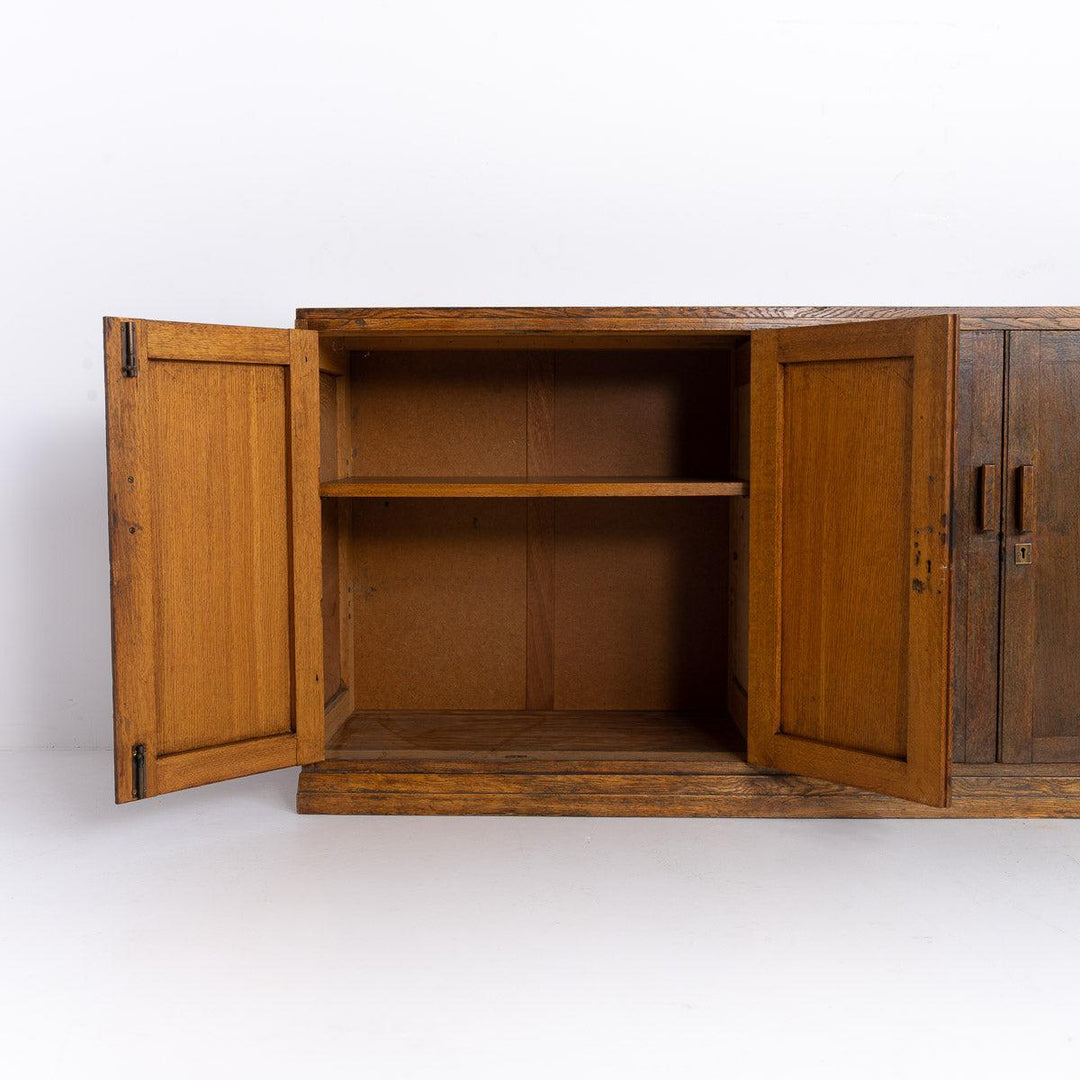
(517, 488)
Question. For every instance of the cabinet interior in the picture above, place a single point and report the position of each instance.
(464, 614)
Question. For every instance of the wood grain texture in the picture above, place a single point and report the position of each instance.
(589, 320)
(227, 344)
(851, 459)
(717, 785)
(538, 488)
(217, 453)
(977, 544)
(1041, 677)
(305, 583)
(536, 734)
(214, 544)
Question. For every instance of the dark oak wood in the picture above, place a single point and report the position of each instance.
(1040, 720)
(538, 488)
(686, 320)
(215, 551)
(977, 544)
(851, 459)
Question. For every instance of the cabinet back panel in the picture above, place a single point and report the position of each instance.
(438, 412)
(221, 553)
(439, 603)
(845, 553)
(641, 413)
(640, 615)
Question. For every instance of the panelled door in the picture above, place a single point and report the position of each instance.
(1040, 704)
(850, 597)
(213, 447)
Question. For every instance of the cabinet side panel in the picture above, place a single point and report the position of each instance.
(977, 544)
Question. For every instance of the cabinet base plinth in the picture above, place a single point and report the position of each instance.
(723, 787)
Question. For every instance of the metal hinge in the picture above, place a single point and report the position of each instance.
(129, 359)
(138, 771)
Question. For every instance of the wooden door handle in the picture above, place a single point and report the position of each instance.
(989, 506)
(1025, 498)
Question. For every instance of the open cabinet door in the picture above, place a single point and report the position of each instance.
(851, 461)
(213, 445)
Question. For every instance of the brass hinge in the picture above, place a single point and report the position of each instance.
(138, 771)
(129, 359)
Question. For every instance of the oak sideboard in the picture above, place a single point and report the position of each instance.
(606, 561)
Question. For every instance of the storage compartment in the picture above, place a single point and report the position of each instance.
(535, 551)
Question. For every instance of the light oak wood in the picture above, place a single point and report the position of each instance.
(214, 541)
(851, 459)
(539, 488)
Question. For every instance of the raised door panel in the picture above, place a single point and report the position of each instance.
(850, 578)
(214, 539)
(1040, 720)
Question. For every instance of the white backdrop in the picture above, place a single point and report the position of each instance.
(228, 162)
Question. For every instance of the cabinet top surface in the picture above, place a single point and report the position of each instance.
(717, 320)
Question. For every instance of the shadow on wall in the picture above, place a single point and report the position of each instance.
(60, 647)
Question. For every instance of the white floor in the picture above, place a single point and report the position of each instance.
(211, 931)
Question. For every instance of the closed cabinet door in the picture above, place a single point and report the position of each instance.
(1040, 713)
(977, 537)
(850, 574)
(213, 450)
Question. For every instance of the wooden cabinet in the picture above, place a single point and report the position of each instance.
(692, 561)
